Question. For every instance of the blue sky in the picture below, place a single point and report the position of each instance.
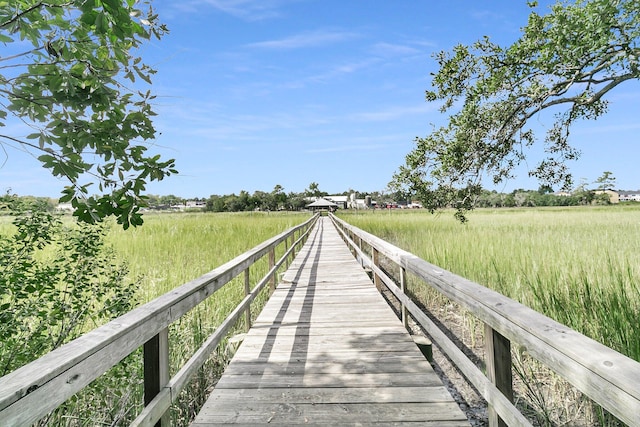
(258, 93)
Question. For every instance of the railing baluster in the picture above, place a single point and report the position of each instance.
(376, 262)
(498, 363)
(247, 290)
(272, 263)
(156, 369)
(403, 279)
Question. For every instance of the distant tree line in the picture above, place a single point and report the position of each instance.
(278, 199)
(9, 200)
(275, 200)
(541, 197)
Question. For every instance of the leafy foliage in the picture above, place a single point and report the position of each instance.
(70, 88)
(56, 282)
(564, 62)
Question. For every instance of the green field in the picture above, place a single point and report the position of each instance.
(579, 266)
(172, 249)
(168, 251)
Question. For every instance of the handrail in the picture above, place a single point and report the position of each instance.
(604, 375)
(32, 391)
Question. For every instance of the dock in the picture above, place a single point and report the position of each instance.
(328, 349)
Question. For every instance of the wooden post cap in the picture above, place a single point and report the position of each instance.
(425, 346)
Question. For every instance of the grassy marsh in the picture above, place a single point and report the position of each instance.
(579, 266)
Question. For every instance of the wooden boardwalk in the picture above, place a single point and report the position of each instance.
(327, 349)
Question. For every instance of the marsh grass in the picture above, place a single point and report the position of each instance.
(168, 251)
(172, 249)
(579, 266)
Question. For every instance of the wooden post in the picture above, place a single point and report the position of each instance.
(156, 369)
(376, 262)
(403, 308)
(425, 346)
(293, 246)
(272, 263)
(498, 361)
(247, 290)
(286, 248)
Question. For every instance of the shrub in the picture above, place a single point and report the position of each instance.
(57, 281)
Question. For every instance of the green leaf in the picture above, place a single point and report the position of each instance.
(81, 104)
(100, 23)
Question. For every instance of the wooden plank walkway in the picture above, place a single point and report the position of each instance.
(327, 349)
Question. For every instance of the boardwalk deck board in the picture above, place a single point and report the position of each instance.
(327, 349)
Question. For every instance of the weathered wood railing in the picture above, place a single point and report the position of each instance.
(609, 378)
(31, 392)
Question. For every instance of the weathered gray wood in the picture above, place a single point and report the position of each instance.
(376, 262)
(606, 376)
(498, 363)
(329, 395)
(488, 390)
(247, 290)
(327, 348)
(403, 288)
(399, 362)
(332, 413)
(272, 262)
(339, 380)
(156, 368)
(355, 423)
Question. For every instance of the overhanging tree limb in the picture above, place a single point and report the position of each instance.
(566, 61)
(69, 89)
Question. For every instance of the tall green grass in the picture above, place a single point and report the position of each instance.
(166, 252)
(579, 266)
(172, 249)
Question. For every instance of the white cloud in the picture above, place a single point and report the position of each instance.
(393, 113)
(303, 40)
(389, 49)
(344, 148)
(250, 10)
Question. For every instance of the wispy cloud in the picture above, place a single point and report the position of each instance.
(393, 113)
(389, 49)
(303, 40)
(609, 129)
(486, 16)
(345, 148)
(332, 73)
(250, 10)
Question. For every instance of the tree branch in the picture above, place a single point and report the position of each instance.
(31, 9)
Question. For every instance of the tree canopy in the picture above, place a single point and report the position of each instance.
(72, 81)
(564, 62)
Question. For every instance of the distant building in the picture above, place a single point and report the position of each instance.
(341, 201)
(614, 196)
(195, 204)
(629, 196)
(619, 196)
(64, 207)
(562, 193)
